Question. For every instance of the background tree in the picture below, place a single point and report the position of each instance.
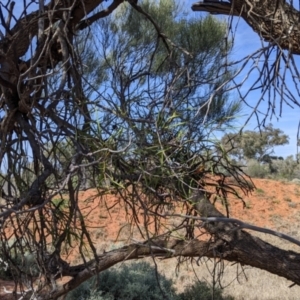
(258, 145)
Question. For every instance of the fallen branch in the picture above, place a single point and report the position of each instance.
(242, 248)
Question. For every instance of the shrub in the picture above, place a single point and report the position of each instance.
(19, 263)
(5, 273)
(286, 168)
(136, 281)
(200, 290)
(256, 169)
(83, 292)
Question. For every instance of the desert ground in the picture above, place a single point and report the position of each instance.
(273, 204)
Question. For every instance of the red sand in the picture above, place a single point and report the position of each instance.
(271, 198)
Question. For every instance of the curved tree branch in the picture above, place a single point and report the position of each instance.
(230, 243)
(241, 247)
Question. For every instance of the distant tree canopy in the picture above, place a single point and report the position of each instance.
(257, 145)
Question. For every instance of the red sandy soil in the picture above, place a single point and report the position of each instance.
(272, 200)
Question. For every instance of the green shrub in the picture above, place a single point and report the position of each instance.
(19, 263)
(136, 281)
(287, 168)
(200, 290)
(5, 272)
(83, 292)
(256, 169)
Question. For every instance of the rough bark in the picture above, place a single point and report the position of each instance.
(276, 21)
(18, 39)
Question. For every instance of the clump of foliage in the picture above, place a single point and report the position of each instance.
(139, 281)
(19, 264)
(256, 169)
(200, 290)
(136, 281)
(286, 169)
(5, 272)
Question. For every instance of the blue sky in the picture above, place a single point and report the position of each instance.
(246, 42)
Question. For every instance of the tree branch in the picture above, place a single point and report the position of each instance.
(239, 225)
(216, 8)
(101, 14)
(5, 24)
(275, 21)
(244, 248)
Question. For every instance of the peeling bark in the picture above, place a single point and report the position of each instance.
(274, 20)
